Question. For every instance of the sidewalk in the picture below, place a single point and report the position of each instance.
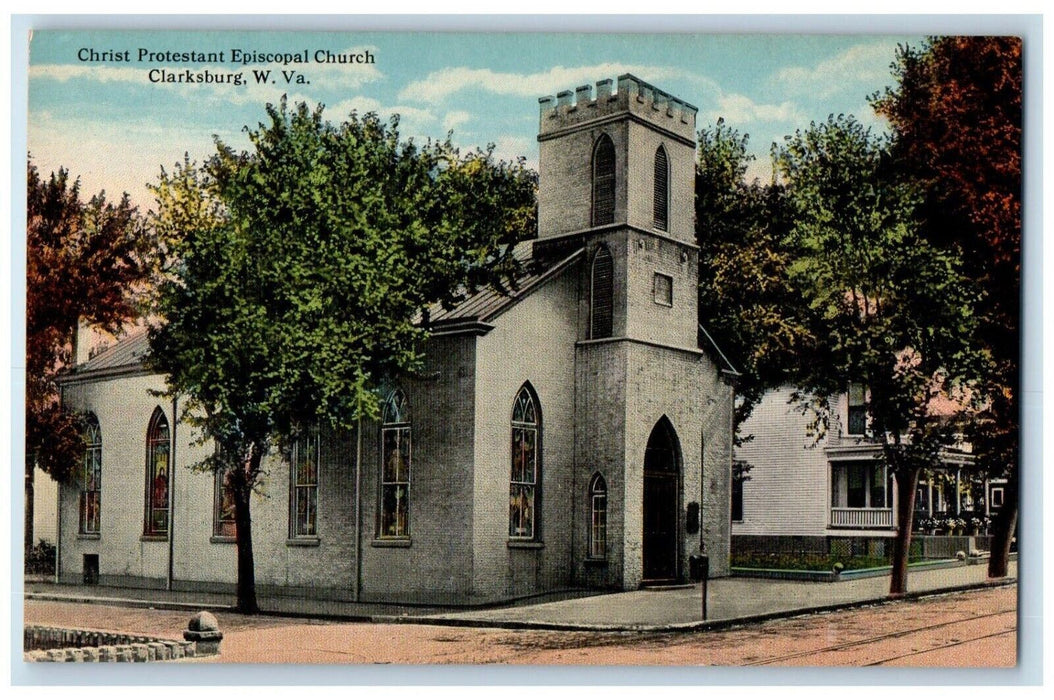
(730, 601)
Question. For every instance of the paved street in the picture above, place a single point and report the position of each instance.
(971, 628)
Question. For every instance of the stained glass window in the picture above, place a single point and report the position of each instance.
(223, 522)
(91, 478)
(158, 449)
(305, 463)
(396, 455)
(523, 482)
(598, 522)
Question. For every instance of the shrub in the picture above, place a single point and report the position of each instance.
(40, 559)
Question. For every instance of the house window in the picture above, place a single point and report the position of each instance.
(223, 513)
(601, 294)
(997, 497)
(91, 478)
(396, 455)
(662, 189)
(523, 482)
(304, 496)
(604, 181)
(598, 520)
(859, 485)
(857, 411)
(158, 469)
(662, 289)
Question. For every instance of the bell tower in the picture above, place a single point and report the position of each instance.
(624, 157)
(617, 185)
(617, 177)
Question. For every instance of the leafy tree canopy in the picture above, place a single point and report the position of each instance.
(957, 122)
(889, 309)
(302, 275)
(86, 261)
(956, 116)
(746, 298)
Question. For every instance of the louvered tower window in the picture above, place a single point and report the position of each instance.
(662, 189)
(601, 293)
(604, 181)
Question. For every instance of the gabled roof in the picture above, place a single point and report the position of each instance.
(128, 355)
(487, 303)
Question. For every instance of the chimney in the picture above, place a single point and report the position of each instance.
(82, 343)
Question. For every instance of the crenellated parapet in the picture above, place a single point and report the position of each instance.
(574, 108)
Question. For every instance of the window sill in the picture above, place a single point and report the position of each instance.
(89, 536)
(525, 544)
(302, 542)
(153, 538)
(393, 542)
(663, 304)
(594, 562)
(223, 539)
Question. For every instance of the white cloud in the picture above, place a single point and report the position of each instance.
(443, 83)
(510, 148)
(740, 109)
(861, 65)
(413, 121)
(456, 118)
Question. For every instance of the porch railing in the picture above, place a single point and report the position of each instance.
(862, 517)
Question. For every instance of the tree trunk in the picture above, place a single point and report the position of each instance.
(30, 499)
(244, 537)
(1003, 529)
(907, 480)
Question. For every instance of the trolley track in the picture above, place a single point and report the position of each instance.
(899, 634)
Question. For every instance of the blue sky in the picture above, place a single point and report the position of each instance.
(112, 127)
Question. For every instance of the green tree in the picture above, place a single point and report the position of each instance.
(85, 262)
(889, 309)
(956, 117)
(746, 299)
(304, 268)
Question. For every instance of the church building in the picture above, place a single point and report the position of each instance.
(573, 434)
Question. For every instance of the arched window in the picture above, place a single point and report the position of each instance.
(603, 181)
(525, 477)
(158, 473)
(91, 478)
(662, 189)
(601, 294)
(598, 517)
(396, 459)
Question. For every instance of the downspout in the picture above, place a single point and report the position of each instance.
(358, 506)
(58, 509)
(172, 497)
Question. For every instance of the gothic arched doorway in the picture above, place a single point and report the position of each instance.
(662, 482)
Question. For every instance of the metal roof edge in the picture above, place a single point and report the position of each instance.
(529, 289)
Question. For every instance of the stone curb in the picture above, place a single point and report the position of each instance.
(699, 626)
(695, 626)
(88, 646)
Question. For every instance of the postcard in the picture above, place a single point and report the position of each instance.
(672, 349)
